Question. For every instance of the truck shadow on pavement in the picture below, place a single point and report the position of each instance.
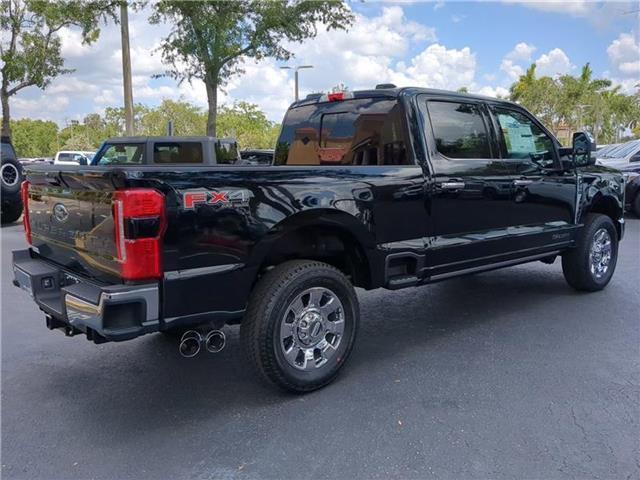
(170, 391)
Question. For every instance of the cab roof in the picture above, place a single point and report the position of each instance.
(396, 92)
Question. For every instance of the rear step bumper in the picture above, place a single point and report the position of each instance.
(75, 305)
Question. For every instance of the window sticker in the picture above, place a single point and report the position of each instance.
(518, 136)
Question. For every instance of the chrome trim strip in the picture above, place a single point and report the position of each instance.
(195, 272)
(492, 266)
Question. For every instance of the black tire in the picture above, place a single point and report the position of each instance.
(636, 204)
(11, 211)
(271, 301)
(10, 176)
(576, 263)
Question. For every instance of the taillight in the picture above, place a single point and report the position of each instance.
(139, 219)
(24, 195)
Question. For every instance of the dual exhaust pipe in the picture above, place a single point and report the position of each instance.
(192, 341)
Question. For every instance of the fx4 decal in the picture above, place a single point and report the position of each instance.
(220, 198)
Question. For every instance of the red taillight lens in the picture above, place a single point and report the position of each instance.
(24, 194)
(139, 219)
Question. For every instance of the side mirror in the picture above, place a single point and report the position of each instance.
(583, 145)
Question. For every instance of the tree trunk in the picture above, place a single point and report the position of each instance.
(6, 126)
(212, 101)
(126, 69)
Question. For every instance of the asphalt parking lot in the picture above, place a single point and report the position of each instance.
(508, 374)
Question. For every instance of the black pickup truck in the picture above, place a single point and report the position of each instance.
(390, 187)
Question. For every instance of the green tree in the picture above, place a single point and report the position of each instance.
(571, 103)
(34, 138)
(210, 38)
(187, 119)
(248, 125)
(31, 48)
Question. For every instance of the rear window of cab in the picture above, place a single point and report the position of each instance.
(361, 132)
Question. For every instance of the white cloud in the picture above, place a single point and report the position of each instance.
(439, 67)
(600, 14)
(573, 7)
(512, 70)
(553, 63)
(624, 55)
(492, 91)
(33, 108)
(522, 51)
(438, 5)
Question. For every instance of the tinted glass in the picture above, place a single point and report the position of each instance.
(352, 132)
(122, 154)
(178, 152)
(226, 152)
(459, 130)
(521, 138)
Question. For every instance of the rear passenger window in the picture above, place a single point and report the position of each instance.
(352, 132)
(177, 152)
(227, 152)
(459, 130)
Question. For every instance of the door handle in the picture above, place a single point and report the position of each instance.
(522, 183)
(452, 185)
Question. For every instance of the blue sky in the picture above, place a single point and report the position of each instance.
(481, 45)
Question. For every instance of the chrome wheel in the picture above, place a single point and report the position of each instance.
(312, 328)
(600, 253)
(9, 174)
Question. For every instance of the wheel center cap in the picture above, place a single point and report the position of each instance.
(310, 328)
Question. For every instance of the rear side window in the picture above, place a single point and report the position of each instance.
(353, 132)
(121, 154)
(66, 157)
(226, 152)
(177, 152)
(459, 130)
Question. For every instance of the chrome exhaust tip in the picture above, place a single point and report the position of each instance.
(190, 344)
(215, 341)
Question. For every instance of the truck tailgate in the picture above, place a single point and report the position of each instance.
(71, 220)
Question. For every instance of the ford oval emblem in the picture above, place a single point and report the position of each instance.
(60, 212)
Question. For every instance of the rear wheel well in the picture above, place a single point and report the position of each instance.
(334, 246)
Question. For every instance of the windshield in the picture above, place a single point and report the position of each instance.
(120, 154)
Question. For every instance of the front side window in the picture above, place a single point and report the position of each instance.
(121, 154)
(177, 152)
(522, 138)
(459, 130)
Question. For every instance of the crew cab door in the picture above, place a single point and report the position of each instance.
(469, 189)
(544, 195)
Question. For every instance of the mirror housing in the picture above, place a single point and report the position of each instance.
(583, 144)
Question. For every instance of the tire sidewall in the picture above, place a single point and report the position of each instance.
(601, 222)
(11, 189)
(332, 281)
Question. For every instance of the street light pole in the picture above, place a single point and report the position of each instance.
(295, 74)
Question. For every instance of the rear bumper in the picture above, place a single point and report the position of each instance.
(76, 305)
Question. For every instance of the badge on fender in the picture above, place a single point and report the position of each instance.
(221, 198)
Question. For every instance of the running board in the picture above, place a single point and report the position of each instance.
(491, 266)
